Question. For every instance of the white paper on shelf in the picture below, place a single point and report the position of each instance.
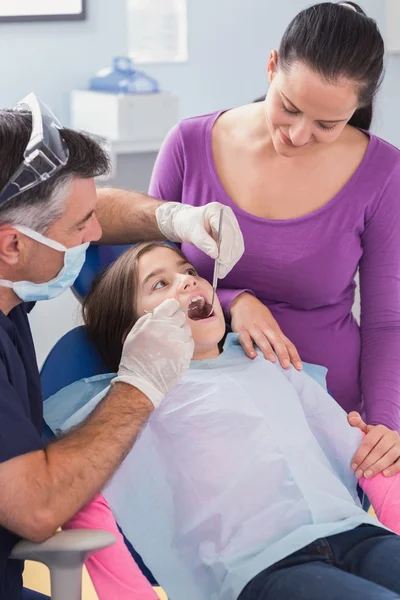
(158, 31)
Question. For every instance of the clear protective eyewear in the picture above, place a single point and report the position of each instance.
(45, 154)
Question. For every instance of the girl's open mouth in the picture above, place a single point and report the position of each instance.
(199, 309)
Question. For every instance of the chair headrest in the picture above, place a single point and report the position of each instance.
(98, 258)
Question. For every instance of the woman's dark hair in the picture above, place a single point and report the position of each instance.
(109, 310)
(338, 42)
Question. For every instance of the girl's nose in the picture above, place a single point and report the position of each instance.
(187, 282)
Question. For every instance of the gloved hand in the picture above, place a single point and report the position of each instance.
(157, 352)
(197, 224)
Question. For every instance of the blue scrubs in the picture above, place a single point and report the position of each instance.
(20, 420)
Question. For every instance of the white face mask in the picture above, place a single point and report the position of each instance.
(74, 259)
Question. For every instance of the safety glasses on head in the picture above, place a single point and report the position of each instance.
(45, 154)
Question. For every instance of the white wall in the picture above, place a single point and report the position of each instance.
(229, 43)
(53, 58)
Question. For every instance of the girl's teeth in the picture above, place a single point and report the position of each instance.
(198, 299)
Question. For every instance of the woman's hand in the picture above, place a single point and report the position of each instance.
(379, 451)
(255, 325)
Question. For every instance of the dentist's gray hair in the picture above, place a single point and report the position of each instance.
(39, 207)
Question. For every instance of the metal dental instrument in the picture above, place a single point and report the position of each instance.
(150, 312)
(216, 264)
(207, 309)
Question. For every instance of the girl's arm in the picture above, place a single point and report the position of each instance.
(112, 570)
(384, 495)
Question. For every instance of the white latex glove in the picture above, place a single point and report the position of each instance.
(198, 225)
(157, 352)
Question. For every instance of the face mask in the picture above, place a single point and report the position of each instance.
(74, 259)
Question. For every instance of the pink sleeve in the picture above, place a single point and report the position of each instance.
(384, 495)
(113, 571)
(167, 178)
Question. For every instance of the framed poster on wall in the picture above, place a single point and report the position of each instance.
(42, 10)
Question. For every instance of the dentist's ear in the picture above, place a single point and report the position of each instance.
(10, 245)
(272, 65)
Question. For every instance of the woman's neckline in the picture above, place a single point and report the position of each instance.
(227, 200)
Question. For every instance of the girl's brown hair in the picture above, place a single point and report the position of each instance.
(109, 309)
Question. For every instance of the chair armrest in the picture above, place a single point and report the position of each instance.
(65, 554)
(65, 546)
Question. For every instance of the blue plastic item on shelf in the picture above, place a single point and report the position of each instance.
(123, 78)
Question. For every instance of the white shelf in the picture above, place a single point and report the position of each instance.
(117, 148)
(126, 147)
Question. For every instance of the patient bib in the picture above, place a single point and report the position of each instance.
(242, 464)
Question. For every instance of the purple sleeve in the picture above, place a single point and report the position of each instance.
(167, 178)
(380, 308)
(226, 296)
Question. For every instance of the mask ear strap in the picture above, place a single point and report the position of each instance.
(6, 283)
(38, 237)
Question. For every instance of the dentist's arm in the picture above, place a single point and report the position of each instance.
(41, 490)
(127, 217)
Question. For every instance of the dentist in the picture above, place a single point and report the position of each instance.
(49, 213)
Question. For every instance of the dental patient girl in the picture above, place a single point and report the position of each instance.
(240, 485)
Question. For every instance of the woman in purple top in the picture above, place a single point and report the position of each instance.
(317, 198)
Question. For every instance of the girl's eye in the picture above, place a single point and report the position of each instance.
(160, 284)
(191, 272)
(289, 112)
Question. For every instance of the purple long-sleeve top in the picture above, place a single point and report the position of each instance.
(303, 269)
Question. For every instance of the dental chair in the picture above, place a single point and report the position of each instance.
(83, 358)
